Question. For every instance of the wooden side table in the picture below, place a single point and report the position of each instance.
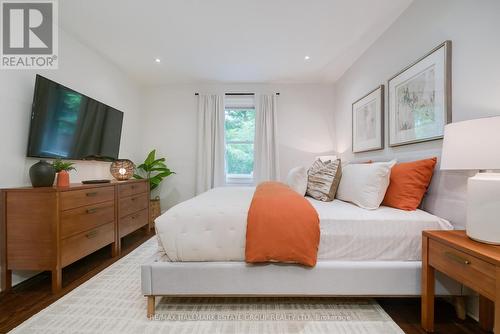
(474, 264)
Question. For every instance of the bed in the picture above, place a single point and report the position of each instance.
(361, 252)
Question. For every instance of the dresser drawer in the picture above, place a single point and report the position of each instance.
(84, 218)
(469, 270)
(132, 188)
(132, 222)
(80, 245)
(133, 204)
(77, 198)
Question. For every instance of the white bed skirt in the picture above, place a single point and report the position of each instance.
(328, 278)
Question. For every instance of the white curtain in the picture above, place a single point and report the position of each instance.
(266, 139)
(210, 154)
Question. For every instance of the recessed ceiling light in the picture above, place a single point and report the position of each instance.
(157, 60)
(307, 58)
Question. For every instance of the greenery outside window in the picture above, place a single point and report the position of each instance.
(239, 137)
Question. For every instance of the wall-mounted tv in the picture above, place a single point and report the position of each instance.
(69, 125)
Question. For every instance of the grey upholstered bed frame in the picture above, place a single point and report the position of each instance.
(328, 278)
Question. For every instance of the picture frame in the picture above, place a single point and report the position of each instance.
(419, 98)
(368, 122)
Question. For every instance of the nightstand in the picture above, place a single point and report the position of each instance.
(474, 264)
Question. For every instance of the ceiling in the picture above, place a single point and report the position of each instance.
(230, 40)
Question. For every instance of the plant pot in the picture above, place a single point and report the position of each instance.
(42, 174)
(154, 209)
(63, 179)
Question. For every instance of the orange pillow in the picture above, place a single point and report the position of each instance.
(409, 182)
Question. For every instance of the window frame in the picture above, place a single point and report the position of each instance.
(238, 179)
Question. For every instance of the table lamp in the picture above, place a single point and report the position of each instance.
(122, 169)
(475, 145)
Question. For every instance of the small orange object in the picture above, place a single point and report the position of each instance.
(63, 179)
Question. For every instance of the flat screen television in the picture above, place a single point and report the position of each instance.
(69, 125)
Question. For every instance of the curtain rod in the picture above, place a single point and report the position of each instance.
(238, 94)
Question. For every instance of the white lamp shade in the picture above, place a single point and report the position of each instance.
(473, 144)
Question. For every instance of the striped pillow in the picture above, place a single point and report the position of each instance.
(323, 179)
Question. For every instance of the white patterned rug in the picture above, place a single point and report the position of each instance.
(111, 302)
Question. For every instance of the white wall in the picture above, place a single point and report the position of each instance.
(84, 70)
(473, 28)
(305, 128)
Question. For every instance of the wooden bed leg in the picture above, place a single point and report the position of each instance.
(460, 308)
(151, 306)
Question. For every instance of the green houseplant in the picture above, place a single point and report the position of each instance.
(62, 168)
(155, 171)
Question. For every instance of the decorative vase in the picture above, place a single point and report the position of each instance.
(42, 174)
(154, 209)
(63, 179)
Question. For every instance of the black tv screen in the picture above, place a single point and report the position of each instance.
(69, 125)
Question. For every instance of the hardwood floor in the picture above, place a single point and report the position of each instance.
(33, 295)
(406, 313)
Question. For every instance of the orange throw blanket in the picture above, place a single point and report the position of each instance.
(282, 226)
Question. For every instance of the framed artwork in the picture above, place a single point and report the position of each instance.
(420, 98)
(368, 122)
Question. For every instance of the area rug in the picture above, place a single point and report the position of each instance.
(111, 302)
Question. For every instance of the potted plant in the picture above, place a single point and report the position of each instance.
(62, 168)
(155, 171)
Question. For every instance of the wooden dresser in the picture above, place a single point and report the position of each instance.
(474, 264)
(49, 228)
(133, 207)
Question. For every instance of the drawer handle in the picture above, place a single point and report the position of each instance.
(133, 199)
(92, 210)
(457, 258)
(91, 234)
(92, 194)
(133, 187)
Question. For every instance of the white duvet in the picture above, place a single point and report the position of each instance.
(212, 227)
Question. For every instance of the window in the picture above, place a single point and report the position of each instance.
(239, 129)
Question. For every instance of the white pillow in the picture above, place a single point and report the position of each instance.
(297, 179)
(365, 184)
